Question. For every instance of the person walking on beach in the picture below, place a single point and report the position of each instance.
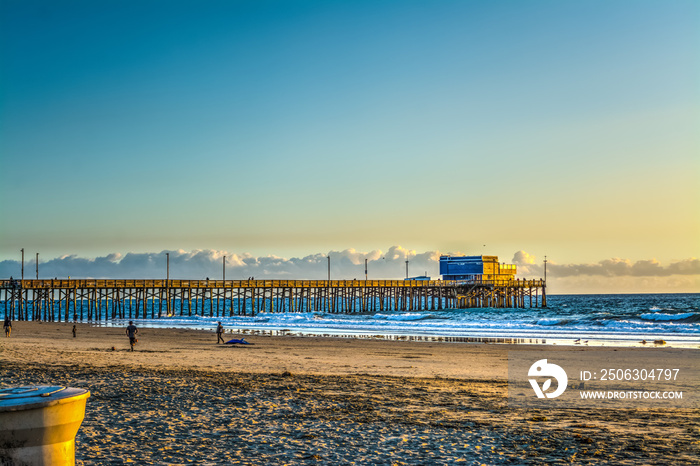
(74, 331)
(219, 333)
(131, 332)
(7, 326)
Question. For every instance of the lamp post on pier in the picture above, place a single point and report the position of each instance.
(545, 269)
(406, 268)
(167, 285)
(22, 263)
(329, 267)
(37, 266)
(544, 285)
(365, 269)
(224, 268)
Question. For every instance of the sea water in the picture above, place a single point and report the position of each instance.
(612, 320)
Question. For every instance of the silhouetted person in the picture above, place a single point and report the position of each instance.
(7, 326)
(219, 333)
(131, 332)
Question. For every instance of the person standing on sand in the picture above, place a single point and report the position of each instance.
(74, 331)
(131, 332)
(7, 326)
(219, 333)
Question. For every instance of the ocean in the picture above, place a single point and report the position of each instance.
(596, 320)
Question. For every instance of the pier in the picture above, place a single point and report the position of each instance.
(98, 300)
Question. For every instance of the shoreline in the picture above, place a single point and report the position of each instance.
(584, 339)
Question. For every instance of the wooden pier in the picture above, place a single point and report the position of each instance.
(102, 300)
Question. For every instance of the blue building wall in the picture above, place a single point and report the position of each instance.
(458, 268)
(475, 268)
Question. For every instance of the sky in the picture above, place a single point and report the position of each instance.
(293, 130)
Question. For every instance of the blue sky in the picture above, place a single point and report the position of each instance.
(563, 128)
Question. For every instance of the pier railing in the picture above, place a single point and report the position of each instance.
(179, 283)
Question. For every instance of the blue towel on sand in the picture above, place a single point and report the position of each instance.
(237, 341)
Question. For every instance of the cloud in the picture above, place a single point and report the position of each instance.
(614, 267)
(596, 284)
(346, 264)
(523, 258)
(613, 275)
(625, 268)
(685, 267)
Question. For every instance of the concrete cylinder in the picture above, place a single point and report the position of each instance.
(38, 424)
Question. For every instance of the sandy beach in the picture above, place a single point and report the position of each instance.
(181, 399)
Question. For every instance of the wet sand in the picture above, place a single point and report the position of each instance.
(182, 399)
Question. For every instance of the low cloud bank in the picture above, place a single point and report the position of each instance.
(528, 265)
(199, 264)
(347, 264)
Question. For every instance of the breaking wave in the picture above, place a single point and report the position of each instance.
(686, 317)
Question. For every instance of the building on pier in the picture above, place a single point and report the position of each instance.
(480, 269)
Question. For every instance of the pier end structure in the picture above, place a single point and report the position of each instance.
(476, 269)
(481, 280)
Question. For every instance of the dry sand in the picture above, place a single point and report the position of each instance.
(182, 399)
